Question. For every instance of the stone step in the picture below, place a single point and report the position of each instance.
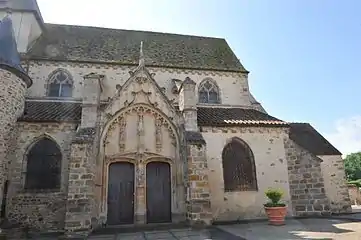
(138, 228)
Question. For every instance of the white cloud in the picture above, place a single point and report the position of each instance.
(347, 135)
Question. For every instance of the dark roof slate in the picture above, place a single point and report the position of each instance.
(194, 137)
(93, 44)
(208, 116)
(301, 133)
(9, 55)
(310, 139)
(36, 111)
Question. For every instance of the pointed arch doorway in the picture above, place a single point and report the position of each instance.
(121, 193)
(158, 192)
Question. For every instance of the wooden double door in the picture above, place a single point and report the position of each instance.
(121, 194)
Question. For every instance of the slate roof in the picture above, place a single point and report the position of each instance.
(36, 111)
(301, 133)
(22, 5)
(9, 56)
(71, 111)
(194, 137)
(93, 44)
(310, 139)
(235, 116)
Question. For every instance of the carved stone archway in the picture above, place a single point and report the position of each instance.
(116, 146)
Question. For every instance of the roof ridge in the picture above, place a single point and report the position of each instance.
(132, 30)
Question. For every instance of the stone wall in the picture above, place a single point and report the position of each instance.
(234, 88)
(307, 186)
(12, 93)
(355, 194)
(198, 195)
(333, 172)
(43, 210)
(80, 205)
(271, 170)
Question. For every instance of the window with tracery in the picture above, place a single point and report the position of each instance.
(239, 170)
(43, 170)
(60, 84)
(208, 92)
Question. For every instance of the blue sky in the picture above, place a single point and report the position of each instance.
(304, 56)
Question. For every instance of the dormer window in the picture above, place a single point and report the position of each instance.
(208, 92)
(60, 84)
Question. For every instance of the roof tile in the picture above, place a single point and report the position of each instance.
(208, 116)
(310, 139)
(80, 43)
(39, 111)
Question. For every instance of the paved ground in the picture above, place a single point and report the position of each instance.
(299, 229)
(347, 227)
(173, 234)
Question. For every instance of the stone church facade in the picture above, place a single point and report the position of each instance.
(108, 127)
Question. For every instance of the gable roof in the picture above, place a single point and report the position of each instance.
(93, 44)
(209, 116)
(310, 139)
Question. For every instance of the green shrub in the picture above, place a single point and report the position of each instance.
(274, 195)
(355, 182)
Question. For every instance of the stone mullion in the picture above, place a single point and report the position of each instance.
(139, 194)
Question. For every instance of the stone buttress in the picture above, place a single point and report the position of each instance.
(81, 205)
(198, 202)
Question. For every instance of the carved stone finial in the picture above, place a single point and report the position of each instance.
(141, 56)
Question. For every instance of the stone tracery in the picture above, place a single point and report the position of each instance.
(142, 110)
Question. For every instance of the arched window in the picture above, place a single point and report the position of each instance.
(208, 92)
(43, 168)
(60, 84)
(239, 170)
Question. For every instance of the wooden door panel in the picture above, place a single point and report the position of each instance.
(121, 194)
(158, 195)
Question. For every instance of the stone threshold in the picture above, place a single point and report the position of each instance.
(132, 228)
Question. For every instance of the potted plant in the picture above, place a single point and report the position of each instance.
(275, 210)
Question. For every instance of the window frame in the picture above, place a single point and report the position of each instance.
(52, 80)
(57, 175)
(238, 181)
(214, 86)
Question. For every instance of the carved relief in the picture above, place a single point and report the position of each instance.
(141, 80)
(122, 134)
(140, 133)
(158, 135)
(140, 173)
(141, 110)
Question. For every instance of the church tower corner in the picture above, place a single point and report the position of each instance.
(13, 81)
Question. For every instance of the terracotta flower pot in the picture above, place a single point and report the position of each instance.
(276, 215)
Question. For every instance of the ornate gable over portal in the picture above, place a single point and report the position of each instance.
(140, 119)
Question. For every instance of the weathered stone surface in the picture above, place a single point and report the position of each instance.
(37, 209)
(12, 101)
(198, 199)
(333, 172)
(80, 205)
(306, 183)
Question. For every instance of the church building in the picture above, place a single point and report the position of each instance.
(102, 127)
